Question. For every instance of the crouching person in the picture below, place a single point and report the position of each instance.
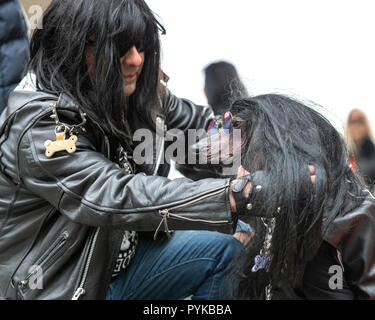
(79, 219)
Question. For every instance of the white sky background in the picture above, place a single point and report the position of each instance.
(321, 50)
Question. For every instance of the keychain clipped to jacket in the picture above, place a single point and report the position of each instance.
(61, 143)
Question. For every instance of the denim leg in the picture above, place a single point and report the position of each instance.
(197, 263)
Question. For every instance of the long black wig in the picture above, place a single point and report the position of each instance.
(282, 136)
(111, 28)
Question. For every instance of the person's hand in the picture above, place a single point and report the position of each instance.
(240, 173)
(244, 237)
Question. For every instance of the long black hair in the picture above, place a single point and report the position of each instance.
(222, 86)
(111, 28)
(282, 136)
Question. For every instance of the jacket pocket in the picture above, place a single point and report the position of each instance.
(45, 261)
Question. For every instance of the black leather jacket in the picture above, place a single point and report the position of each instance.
(348, 250)
(67, 213)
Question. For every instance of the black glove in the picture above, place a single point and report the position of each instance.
(254, 204)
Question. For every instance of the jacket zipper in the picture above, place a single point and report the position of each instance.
(161, 149)
(166, 212)
(80, 291)
(56, 246)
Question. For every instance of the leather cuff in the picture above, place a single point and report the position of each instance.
(254, 204)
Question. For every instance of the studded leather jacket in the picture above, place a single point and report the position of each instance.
(67, 213)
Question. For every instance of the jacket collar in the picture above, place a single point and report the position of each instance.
(66, 102)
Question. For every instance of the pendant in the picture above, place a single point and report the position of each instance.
(261, 262)
(61, 144)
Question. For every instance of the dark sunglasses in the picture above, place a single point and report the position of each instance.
(226, 124)
(140, 44)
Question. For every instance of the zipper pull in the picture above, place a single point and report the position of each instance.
(79, 292)
(165, 214)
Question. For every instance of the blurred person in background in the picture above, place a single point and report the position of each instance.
(361, 146)
(14, 47)
(222, 86)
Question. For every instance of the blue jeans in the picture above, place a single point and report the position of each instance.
(192, 263)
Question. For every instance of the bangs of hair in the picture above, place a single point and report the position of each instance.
(131, 25)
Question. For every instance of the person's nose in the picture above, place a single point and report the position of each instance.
(132, 58)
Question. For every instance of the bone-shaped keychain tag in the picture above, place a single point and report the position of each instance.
(60, 144)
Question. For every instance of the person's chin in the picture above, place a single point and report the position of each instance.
(129, 89)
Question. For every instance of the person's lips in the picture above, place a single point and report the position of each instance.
(130, 77)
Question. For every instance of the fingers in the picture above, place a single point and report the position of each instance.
(242, 172)
(313, 179)
(243, 237)
(312, 174)
(312, 170)
(231, 197)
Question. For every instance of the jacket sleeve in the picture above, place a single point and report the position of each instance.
(354, 236)
(90, 189)
(183, 114)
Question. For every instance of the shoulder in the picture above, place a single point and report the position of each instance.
(27, 108)
(359, 222)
